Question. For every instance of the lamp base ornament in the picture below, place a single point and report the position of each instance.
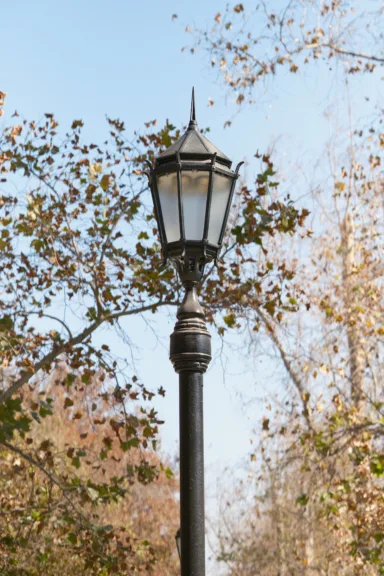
(190, 342)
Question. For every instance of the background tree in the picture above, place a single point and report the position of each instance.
(314, 501)
(70, 502)
(251, 44)
(317, 481)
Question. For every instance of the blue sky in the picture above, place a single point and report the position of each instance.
(82, 59)
(86, 59)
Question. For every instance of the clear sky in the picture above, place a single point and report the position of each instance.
(83, 59)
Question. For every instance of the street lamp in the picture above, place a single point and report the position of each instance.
(192, 185)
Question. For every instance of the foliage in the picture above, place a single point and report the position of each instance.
(69, 499)
(315, 480)
(78, 252)
(250, 44)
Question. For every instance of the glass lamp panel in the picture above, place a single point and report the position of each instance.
(220, 195)
(169, 201)
(194, 198)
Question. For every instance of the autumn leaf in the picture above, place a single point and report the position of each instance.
(68, 403)
(265, 424)
(340, 186)
(77, 124)
(104, 182)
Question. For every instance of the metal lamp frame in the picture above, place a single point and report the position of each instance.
(185, 252)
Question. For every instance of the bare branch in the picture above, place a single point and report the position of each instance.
(55, 353)
(302, 392)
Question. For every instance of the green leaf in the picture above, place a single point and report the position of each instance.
(169, 474)
(69, 380)
(91, 313)
(76, 462)
(44, 412)
(148, 432)
(72, 538)
(133, 443)
(37, 244)
(230, 320)
(302, 500)
(377, 465)
(6, 323)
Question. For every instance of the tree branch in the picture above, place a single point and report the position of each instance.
(303, 394)
(52, 318)
(49, 474)
(55, 353)
(354, 54)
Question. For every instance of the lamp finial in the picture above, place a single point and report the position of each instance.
(192, 120)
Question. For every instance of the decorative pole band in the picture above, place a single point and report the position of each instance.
(190, 342)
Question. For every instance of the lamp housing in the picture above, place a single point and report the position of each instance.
(192, 185)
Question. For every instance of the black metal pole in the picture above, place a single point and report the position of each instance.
(190, 355)
(192, 474)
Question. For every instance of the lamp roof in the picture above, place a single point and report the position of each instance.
(192, 144)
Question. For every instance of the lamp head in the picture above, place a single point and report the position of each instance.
(192, 185)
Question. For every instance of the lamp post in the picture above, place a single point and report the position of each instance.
(192, 185)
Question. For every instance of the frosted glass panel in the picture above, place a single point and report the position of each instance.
(167, 187)
(194, 194)
(220, 194)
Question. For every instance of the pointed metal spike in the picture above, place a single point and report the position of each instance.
(193, 108)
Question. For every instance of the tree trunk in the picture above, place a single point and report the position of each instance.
(351, 303)
(281, 559)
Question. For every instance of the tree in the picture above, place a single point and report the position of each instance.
(317, 503)
(69, 499)
(78, 251)
(250, 46)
